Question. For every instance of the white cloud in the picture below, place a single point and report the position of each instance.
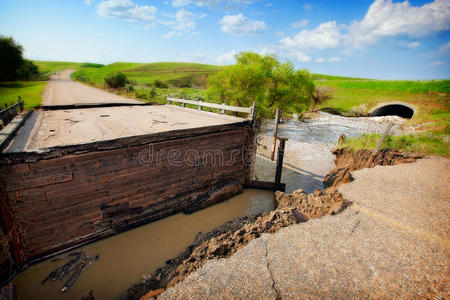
(126, 10)
(299, 24)
(319, 60)
(334, 59)
(436, 63)
(88, 2)
(241, 25)
(226, 58)
(413, 45)
(171, 34)
(326, 35)
(209, 3)
(384, 19)
(185, 20)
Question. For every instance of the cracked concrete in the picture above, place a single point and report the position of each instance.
(393, 242)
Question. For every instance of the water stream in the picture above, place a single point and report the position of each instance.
(125, 257)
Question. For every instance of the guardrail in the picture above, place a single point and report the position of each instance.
(9, 113)
(223, 107)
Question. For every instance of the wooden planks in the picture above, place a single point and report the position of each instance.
(72, 199)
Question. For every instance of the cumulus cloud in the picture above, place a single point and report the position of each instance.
(334, 59)
(413, 45)
(241, 25)
(126, 10)
(319, 60)
(384, 19)
(226, 58)
(326, 35)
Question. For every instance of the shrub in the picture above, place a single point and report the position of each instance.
(91, 65)
(183, 82)
(160, 84)
(116, 80)
(130, 88)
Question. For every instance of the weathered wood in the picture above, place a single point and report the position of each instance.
(266, 185)
(247, 110)
(279, 168)
(275, 133)
(68, 200)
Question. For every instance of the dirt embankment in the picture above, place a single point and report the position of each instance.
(292, 208)
(348, 160)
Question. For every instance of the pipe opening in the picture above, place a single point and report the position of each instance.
(393, 110)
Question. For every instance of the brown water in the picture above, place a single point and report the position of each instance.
(125, 257)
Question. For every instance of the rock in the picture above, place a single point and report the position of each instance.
(146, 276)
(317, 193)
(337, 177)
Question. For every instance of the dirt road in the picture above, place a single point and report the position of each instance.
(61, 90)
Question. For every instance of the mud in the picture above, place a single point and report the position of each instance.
(349, 160)
(226, 240)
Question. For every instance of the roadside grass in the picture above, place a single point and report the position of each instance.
(428, 143)
(30, 91)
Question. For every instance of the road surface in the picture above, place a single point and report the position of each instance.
(392, 243)
(62, 90)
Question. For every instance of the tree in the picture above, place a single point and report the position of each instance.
(264, 80)
(115, 80)
(321, 94)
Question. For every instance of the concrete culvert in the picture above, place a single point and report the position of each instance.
(393, 110)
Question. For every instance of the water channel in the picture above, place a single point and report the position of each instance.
(125, 257)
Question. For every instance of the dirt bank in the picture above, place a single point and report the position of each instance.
(223, 242)
(349, 160)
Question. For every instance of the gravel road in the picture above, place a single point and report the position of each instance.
(61, 90)
(393, 242)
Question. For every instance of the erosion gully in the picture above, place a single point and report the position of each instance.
(125, 258)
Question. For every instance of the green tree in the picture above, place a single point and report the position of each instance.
(264, 80)
(12, 64)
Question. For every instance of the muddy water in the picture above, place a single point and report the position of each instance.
(308, 155)
(125, 257)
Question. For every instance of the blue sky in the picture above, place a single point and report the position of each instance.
(380, 39)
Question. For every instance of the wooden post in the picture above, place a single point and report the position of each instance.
(223, 111)
(275, 133)
(184, 104)
(200, 107)
(375, 151)
(280, 158)
(253, 111)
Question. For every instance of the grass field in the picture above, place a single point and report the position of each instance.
(146, 74)
(429, 143)
(29, 91)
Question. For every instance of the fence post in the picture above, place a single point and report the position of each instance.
(275, 133)
(280, 158)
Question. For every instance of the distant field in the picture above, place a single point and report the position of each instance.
(29, 91)
(53, 66)
(148, 73)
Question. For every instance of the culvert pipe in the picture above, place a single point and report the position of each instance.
(393, 109)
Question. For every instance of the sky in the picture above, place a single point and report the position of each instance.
(380, 39)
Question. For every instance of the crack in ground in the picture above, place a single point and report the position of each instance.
(278, 297)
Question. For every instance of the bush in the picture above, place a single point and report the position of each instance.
(130, 88)
(160, 84)
(116, 80)
(183, 82)
(91, 65)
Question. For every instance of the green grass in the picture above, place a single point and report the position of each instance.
(29, 91)
(141, 73)
(53, 66)
(429, 143)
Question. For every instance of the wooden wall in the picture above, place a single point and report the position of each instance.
(53, 203)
